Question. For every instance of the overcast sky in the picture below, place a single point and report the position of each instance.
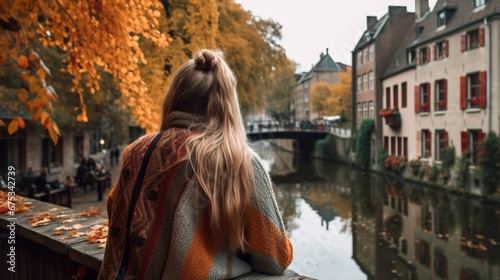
(309, 27)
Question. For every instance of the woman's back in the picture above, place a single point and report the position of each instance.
(170, 234)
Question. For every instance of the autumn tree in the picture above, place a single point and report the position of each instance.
(95, 36)
(333, 99)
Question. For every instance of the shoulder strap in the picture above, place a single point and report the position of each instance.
(133, 202)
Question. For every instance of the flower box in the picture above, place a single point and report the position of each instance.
(393, 120)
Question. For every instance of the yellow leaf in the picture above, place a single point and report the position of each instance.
(14, 53)
(25, 75)
(23, 61)
(38, 114)
(40, 92)
(41, 73)
(56, 128)
(23, 95)
(2, 123)
(53, 134)
(34, 87)
(13, 126)
(44, 117)
(20, 122)
(32, 80)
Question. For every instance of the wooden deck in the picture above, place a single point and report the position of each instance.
(41, 255)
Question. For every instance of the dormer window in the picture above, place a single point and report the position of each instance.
(442, 19)
(479, 3)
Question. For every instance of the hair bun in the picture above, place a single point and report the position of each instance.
(205, 60)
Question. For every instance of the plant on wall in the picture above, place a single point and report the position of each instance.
(363, 146)
(431, 172)
(462, 170)
(489, 160)
(448, 161)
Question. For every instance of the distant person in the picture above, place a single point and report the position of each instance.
(91, 165)
(41, 180)
(82, 173)
(201, 206)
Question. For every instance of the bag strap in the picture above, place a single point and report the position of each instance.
(133, 202)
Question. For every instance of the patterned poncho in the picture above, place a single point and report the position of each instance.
(169, 230)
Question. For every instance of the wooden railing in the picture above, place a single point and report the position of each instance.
(35, 253)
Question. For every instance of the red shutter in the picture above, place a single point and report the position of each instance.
(429, 143)
(417, 56)
(428, 50)
(465, 140)
(445, 94)
(434, 52)
(463, 92)
(463, 40)
(446, 44)
(481, 136)
(417, 99)
(481, 36)
(482, 89)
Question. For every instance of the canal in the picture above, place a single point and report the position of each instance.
(348, 224)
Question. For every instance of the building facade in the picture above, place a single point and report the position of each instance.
(327, 71)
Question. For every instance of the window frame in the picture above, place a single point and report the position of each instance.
(441, 21)
(360, 83)
(424, 98)
(473, 90)
(440, 50)
(422, 52)
(370, 80)
(440, 95)
(479, 3)
(371, 109)
(472, 38)
(426, 143)
(440, 143)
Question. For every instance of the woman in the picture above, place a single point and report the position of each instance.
(200, 206)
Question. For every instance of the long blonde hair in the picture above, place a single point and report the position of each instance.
(218, 152)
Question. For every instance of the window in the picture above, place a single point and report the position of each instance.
(440, 265)
(404, 101)
(365, 81)
(370, 80)
(440, 96)
(396, 97)
(12, 150)
(360, 58)
(359, 112)
(371, 55)
(393, 146)
(365, 55)
(405, 147)
(424, 97)
(470, 141)
(399, 146)
(426, 143)
(441, 137)
(79, 155)
(441, 50)
(424, 56)
(479, 3)
(411, 56)
(365, 110)
(441, 19)
(426, 218)
(423, 252)
(360, 83)
(386, 144)
(441, 225)
(371, 109)
(404, 246)
(473, 90)
(388, 97)
(472, 39)
(52, 156)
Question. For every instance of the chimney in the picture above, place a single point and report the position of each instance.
(370, 21)
(421, 7)
(394, 10)
(326, 51)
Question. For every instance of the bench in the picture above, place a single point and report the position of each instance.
(60, 196)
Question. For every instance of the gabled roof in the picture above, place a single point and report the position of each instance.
(399, 62)
(372, 32)
(461, 14)
(325, 63)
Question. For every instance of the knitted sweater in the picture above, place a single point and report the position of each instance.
(169, 231)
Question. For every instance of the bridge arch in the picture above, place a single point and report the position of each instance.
(305, 139)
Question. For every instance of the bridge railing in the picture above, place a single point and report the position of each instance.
(45, 252)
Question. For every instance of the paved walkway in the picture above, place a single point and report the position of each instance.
(89, 200)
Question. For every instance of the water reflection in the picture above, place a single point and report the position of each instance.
(345, 224)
